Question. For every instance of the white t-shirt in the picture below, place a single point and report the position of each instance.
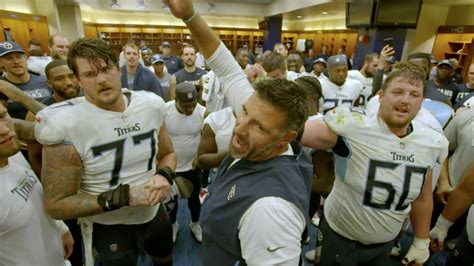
(292, 75)
(320, 77)
(115, 147)
(335, 95)
(366, 86)
(222, 124)
(213, 93)
(237, 88)
(381, 175)
(38, 64)
(185, 133)
(28, 236)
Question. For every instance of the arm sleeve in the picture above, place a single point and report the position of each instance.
(342, 117)
(237, 88)
(270, 232)
(378, 79)
(62, 227)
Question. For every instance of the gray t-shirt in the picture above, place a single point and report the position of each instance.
(36, 87)
(460, 132)
(165, 86)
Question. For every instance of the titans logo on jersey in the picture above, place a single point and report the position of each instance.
(378, 175)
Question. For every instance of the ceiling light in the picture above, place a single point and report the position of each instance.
(114, 5)
(212, 8)
(299, 16)
(324, 12)
(141, 5)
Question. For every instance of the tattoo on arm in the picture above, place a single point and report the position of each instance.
(61, 175)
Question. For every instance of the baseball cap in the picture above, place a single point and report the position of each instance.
(445, 62)
(10, 47)
(157, 58)
(186, 92)
(336, 60)
(319, 60)
(166, 44)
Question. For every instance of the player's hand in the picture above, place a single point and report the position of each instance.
(68, 244)
(442, 193)
(418, 253)
(385, 54)
(182, 9)
(439, 232)
(138, 195)
(195, 164)
(159, 188)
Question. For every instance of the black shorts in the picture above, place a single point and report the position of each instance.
(123, 244)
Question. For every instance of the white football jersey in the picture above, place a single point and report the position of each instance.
(222, 124)
(335, 95)
(366, 86)
(185, 133)
(380, 176)
(115, 147)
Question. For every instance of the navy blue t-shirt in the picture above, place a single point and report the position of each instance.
(36, 87)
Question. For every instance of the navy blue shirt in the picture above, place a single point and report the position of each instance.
(173, 64)
(36, 87)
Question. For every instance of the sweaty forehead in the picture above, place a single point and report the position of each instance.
(406, 83)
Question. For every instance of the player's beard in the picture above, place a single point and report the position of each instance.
(253, 152)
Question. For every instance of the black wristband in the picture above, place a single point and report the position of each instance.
(114, 199)
(168, 173)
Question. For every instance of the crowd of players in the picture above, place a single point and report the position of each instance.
(385, 149)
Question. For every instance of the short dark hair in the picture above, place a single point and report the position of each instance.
(413, 73)
(34, 42)
(368, 58)
(91, 49)
(53, 64)
(274, 61)
(188, 46)
(241, 50)
(310, 86)
(288, 97)
(279, 44)
(52, 37)
(425, 56)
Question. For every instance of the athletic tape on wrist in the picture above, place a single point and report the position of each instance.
(191, 18)
(168, 173)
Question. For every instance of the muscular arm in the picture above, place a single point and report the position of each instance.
(317, 134)
(166, 155)
(61, 177)
(25, 130)
(421, 209)
(208, 157)
(237, 88)
(462, 197)
(173, 87)
(17, 95)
